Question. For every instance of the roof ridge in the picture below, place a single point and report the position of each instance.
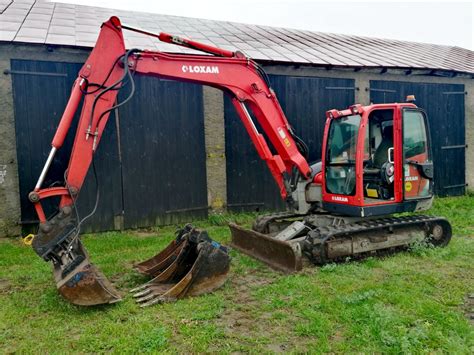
(385, 39)
(78, 25)
(275, 27)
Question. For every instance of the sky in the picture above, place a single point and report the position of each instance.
(439, 22)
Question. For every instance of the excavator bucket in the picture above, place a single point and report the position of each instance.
(191, 265)
(77, 279)
(279, 255)
(83, 283)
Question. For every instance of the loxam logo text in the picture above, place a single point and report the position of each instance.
(339, 198)
(201, 69)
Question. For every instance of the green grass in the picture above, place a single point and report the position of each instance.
(408, 303)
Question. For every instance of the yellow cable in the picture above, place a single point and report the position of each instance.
(28, 239)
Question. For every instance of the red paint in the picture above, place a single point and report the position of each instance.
(318, 178)
(165, 37)
(68, 115)
(358, 198)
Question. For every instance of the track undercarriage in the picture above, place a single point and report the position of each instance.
(280, 240)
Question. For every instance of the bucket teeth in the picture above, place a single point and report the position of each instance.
(148, 297)
(145, 291)
(199, 265)
(155, 301)
(190, 265)
(139, 288)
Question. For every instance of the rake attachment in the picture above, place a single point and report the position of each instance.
(193, 264)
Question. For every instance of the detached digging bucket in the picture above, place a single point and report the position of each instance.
(191, 265)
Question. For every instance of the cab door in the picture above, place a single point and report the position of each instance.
(418, 164)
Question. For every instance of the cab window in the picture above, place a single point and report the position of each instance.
(418, 166)
(378, 164)
(414, 134)
(341, 154)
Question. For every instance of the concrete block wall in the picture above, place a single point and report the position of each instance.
(214, 122)
(215, 147)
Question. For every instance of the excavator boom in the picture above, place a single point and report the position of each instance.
(107, 69)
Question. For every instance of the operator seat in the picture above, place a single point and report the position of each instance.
(381, 153)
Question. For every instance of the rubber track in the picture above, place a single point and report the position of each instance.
(314, 245)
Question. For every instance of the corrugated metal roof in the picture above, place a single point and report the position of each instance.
(44, 22)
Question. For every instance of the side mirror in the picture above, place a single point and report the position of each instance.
(390, 155)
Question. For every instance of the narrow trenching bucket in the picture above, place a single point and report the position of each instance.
(84, 284)
(279, 255)
(199, 265)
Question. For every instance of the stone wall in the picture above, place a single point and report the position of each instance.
(215, 147)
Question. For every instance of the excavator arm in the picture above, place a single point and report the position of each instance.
(109, 67)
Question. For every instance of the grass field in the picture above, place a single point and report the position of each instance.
(410, 302)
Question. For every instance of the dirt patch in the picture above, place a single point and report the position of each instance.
(5, 286)
(242, 286)
(239, 316)
(144, 233)
(277, 348)
(125, 281)
(337, 337)
(243, 316)
(469, 307)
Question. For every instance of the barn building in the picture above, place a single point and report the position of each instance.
(177, 150)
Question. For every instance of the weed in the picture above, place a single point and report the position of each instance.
(421, 247)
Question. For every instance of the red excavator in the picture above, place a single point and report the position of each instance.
(376, 162)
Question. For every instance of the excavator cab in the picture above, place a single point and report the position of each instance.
(377, 160)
